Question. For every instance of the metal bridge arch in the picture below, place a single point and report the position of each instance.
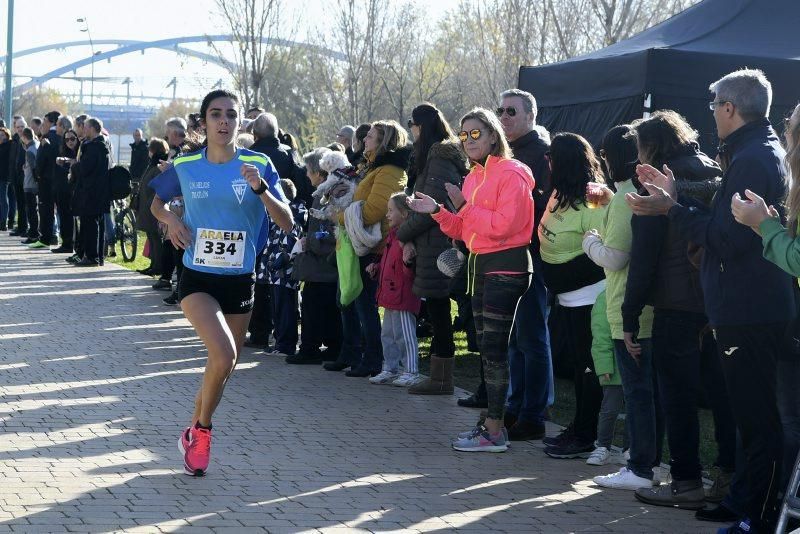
(129, 47)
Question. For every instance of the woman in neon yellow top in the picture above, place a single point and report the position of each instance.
(573, 277)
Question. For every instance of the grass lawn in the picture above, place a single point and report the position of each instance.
(139, 263)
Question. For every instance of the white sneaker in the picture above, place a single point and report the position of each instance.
(599, 456)
(625, 479)
(406, 379)
(384, 377)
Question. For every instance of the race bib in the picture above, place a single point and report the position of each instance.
(222, 249)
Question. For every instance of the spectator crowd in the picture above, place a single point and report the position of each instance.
(663, 277)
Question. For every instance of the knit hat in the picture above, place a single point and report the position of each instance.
(450, 262)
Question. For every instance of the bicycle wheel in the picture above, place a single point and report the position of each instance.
(128, 236)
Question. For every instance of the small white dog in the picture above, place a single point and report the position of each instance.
(336, 192)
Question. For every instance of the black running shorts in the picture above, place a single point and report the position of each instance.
(234, 293)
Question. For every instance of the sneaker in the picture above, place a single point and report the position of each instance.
(565, 434)
(470, 433)
(720, 514)
(304, 358)
(572, 448)
(624, 479)
(39, 244)
(172, 300)
(162, 285)
(195, 445)
(63, 249)
(53, 242)
(599, 456)
(406, 379)
(30, 241)
(73, 259)
(523, 430)
(742, 527)
(684, 494)
(384, 377)
(481, 441)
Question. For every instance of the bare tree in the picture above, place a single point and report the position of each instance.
(260, 34)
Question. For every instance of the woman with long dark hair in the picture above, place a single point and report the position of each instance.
(494, 217)
(438, 160)
(231, 197)
(574, 279)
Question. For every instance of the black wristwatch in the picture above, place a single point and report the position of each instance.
(261, 189)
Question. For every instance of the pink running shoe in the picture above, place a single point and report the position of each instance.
(195, 445)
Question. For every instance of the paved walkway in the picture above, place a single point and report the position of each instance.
(98, 377)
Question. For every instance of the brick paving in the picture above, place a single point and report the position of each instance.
(98, 378)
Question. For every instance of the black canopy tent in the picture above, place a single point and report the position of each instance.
(670, 66)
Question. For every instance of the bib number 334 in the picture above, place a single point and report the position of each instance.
(219, 248)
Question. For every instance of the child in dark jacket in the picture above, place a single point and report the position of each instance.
(276, 266)
(395, 275)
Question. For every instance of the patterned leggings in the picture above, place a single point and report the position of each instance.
(494, 303)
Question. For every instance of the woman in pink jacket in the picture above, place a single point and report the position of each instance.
(493, 215)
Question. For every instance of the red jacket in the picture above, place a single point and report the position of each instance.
(498, 214)
(395, 280)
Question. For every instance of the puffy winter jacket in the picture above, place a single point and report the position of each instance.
(498, 214)
(446, 163)
(395, 280)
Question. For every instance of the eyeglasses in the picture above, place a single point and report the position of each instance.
(715, 103)
(68, 139)
(411, 123)
(464, 135)
(511, 111)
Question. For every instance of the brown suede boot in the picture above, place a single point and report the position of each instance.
(441, 380)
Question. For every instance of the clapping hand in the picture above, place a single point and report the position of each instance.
(456, 197)
(661, 187)
(751, 212)
(422, 203)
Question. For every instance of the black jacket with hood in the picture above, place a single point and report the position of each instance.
(446, 163)
(660, 271)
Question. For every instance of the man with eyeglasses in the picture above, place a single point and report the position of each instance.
(749, 301)
(531, 370)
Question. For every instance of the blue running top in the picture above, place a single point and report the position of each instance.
(229, 224)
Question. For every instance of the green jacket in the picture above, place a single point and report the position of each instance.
(779, 247)
(603, 345)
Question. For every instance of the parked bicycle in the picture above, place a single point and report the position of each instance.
(125, 226)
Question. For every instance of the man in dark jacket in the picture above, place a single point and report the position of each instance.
(530, 364)
(749, 301)
(661, 274)
(45, 166)
(61, 193)
(16, 159)
(92, 193)
(139, 158)
(265, 132)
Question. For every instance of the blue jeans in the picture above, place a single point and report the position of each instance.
(638, 386)
(529, 360)
(108, 220)
(361, 317)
